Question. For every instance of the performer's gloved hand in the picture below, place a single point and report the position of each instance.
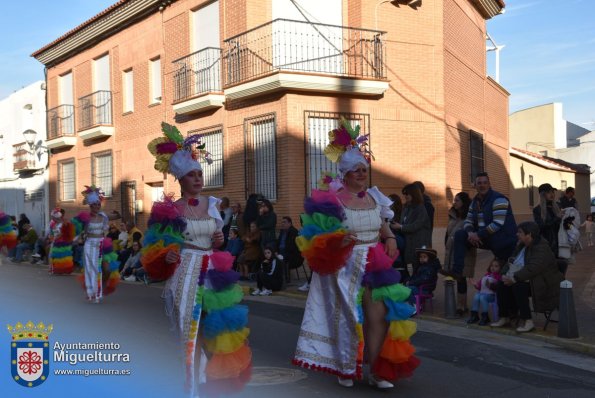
(172, 257)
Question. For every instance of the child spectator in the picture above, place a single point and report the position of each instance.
(589, 229)
(425, 272)
(235, 245)
(251, 255)
(132, 264)
(486, 293)
(270, 276)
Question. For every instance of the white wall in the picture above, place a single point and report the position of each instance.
(14, 119)
(582, 154)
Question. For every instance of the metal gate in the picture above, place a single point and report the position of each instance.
(128, 192)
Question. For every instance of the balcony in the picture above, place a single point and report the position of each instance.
(61, 127)
(95, 117)
(24, 160)
(295, 55)
(197, 82)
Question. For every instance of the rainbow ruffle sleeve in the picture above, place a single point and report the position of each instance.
(321, 237)
(80, 221)
(61, 254)
(8, 235)
(396, 359)
(165, 233)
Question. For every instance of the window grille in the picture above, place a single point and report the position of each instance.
(318, 125)
(212, 137)
(34, 196)
(101, 171)
(476, 151)
(563, 185)
(260, 155)
(66, 180)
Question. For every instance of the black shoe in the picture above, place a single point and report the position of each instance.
(484, 319)
(474, 318)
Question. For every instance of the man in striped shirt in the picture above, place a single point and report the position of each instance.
(490, 225)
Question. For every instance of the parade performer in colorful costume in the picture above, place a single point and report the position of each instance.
(201, 293)
(8, 235)
(99, 259)
(62, 234)
(356, 303)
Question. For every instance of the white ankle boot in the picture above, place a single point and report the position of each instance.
(379, 383)
(527, 327)
(501, 323)
(345, 382)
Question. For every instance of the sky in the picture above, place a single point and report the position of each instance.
(548, 54)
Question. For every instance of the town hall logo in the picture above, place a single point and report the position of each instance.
(29, 353)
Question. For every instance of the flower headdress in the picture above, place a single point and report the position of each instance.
(92, 195)
(176, 155)
(56, 213)
(347, 147)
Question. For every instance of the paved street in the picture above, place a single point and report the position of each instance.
(456, 361)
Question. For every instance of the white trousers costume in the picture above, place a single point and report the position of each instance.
(92, 263)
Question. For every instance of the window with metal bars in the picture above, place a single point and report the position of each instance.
(101, 171)
(212, 137)
(318, 125)
(260, 155)
(476, 154)
(66, 180)
(34, 195)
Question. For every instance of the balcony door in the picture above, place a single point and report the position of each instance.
(309, 45)
(206, 44)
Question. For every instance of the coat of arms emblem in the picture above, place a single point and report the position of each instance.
(29, 353)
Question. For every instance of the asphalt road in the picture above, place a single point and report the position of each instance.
(456, 362)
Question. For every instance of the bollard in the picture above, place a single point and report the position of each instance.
(450, 304)
(567, 326)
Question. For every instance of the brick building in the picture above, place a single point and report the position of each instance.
(264, 81)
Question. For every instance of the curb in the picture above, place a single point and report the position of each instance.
(576, 345)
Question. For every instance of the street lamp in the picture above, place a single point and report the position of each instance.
(30, 136)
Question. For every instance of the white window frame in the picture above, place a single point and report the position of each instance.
(62, 183)
(103, 179)
(212, 137)
(155, 87)
(128, 91)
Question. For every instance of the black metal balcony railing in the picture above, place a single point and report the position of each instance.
(197, 73)
(95, 110)
(23, 158)
(290, 45)
(60, 121)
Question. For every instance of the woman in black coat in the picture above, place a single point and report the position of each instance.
(547, 215)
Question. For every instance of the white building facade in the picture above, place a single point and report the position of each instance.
(23, 167)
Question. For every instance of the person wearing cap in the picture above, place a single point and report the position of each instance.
(547, 215)
(425, 272)
(201, 293)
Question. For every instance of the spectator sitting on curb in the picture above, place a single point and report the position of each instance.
(27, 242)
(489, 225)
(132, 264)
(269, 278)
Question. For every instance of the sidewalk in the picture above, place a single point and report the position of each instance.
(581, 274)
